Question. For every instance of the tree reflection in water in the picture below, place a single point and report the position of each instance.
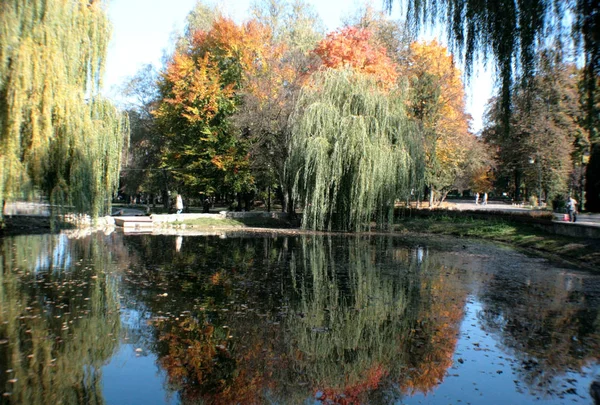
(550, 321)
(278, 319)
(59, 318)
(386, 326)
(346, 320)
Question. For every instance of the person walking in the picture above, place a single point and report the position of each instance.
(179, 204)
(484, 198)
(572, 209)
(477, 199)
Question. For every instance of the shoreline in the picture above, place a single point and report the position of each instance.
(578, 252)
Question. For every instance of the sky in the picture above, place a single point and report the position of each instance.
(143, 30)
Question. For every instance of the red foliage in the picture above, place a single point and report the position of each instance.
(351, 394)
(352, 47)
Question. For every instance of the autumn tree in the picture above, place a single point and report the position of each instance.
(199, 93)
(354, 48)
(393, 36)
(437, 100)
(58, 137)
(270, 93)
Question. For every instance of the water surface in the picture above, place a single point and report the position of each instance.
(278, 319)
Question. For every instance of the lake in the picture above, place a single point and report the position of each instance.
(276, 318)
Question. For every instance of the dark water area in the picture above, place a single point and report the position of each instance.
(302, 319)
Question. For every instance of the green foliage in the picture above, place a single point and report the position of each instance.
(353, 152)
(57, 135)
(537, 150)
(511, 31)
(198, 93)
(62, 331)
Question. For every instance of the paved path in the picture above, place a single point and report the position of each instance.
(582, 219)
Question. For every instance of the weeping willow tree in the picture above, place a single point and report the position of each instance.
(376, 316)
(58, 137)
(353, 152)
(511, 32)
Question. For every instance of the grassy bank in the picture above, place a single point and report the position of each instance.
(583, 252)
(577, 250)
(252, 222)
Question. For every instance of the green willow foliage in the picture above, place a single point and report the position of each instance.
(58, 136)
(59, 313)
(510, 30)
(353, 152)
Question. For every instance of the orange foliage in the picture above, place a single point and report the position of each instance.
(214, 66)
(353, 47)
(440, 324)
(439, 103)
(206, 368)
(195, 91)
(482, 180)
(191, 355)
(352, 393)
(201, 89)
(433, 59)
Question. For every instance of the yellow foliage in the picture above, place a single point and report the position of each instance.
(442, 110)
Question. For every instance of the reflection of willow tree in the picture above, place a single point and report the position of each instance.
(196, 298)
(350, 317)
(375, 325)
(548, 322)
(59, 318)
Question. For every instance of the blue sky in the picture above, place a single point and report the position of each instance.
(143, 31)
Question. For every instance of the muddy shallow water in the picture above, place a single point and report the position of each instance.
(291, 319)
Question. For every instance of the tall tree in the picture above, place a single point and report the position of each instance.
(58, 136)
(511, 31)
(292, 22)
(437, 100)
(353, 152)
(270, 95)
(544, 134)
(142, 173)
(199, 93)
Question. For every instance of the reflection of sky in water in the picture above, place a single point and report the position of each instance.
(60, 259)
(485, 373)
(132, 379)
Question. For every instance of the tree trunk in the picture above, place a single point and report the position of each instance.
(592, 181)
(444, 195)
(517, 186)
(283, 197)
(431, 192)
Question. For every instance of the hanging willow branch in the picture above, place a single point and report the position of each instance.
(353, 152)
(57, 135)
(511, 31)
